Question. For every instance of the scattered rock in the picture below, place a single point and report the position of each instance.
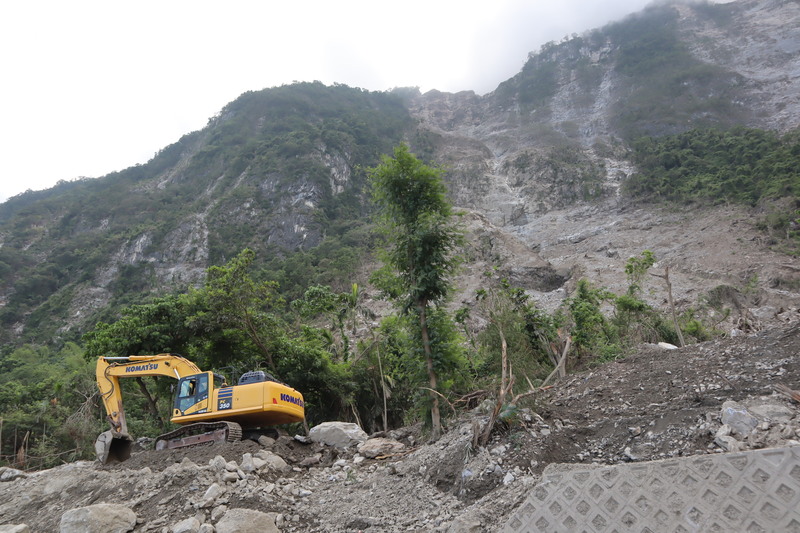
(771, 412)
(372, 448)
(272, 461)
(311, 460)
(465, 525)
(99, 518)
(338, 434)
(265, 441)
(189, 525)
(738, 418)
(247, 521)
(10, 474)
(15, 528)
(212, 493)
(248, 465)
(655, 404)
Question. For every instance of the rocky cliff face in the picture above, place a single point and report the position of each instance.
(539, 161)
(545, 162)
(514, 155)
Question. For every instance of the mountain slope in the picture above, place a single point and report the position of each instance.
(282, 170)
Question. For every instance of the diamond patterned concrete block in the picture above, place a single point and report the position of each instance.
(747, 491)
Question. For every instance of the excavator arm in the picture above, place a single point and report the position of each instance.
(115, 444)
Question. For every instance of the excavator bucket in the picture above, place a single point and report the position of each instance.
(113, 447)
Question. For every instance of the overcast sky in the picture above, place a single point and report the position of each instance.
(90, 87)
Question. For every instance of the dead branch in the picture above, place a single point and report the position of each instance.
(506, 384)
(726, 380)
(665, 277)
(561, 366)
(441, 396)
(786, 391)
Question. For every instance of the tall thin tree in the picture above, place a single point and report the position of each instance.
(421, 242)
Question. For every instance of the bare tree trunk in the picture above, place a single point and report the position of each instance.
(151, 403)
(501, 396)
(560, 368)
(436, 421)
(252, 332)
(383, 391)
(665, 277)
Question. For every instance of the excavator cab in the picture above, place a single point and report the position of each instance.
(192, 396)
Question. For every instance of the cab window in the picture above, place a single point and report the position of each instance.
(191, 389)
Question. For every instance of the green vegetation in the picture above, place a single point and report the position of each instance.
(298, 148)
(45, 406)
(669, 87)
(742, 166)
(421, 239)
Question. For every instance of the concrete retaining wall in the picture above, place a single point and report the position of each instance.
(754, 491)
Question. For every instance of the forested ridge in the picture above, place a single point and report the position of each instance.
(262, 241)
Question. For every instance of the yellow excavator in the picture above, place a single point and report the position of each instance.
(209, 409)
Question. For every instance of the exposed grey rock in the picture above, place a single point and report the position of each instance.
(188, 464)
(247, 465)
(230, 477)
(15, 528)
(738, 418)
(311, 460)
(465, 525)
(189, 525)
(247, 521)
(10, 474)
(372, 448)
(338, 434)
(98, 518)
(218, 463)
(265, 441)
(218, 512)
(212, 493)
(272, 461)
(728, 443)
(771, 412)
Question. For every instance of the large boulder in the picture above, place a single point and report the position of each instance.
(338, 434)
(99, 518)
(247, 521)
(379, 446)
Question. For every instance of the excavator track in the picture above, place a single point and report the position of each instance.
(198, 434)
